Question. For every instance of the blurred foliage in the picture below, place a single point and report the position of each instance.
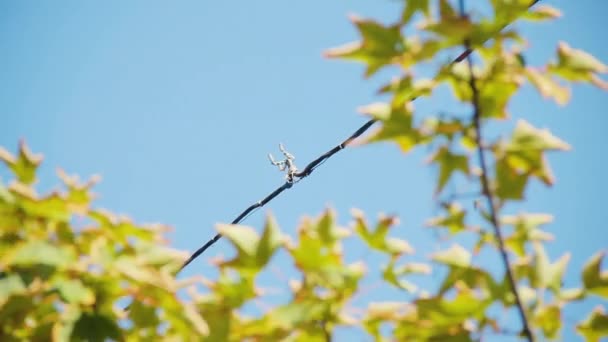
(67, 270)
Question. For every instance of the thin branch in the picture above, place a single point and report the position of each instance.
(487, 191)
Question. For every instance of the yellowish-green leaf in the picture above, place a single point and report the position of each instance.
(397, 126)
(449, 163)
(454, 256)
(378, 237)
(547, 86)
(541, 12)
(549, 320)
(10, 285)
(454, 219)
(594, 279)
(577, 65)
(414, 6)
(380, 45)
(24, 166)
(527, 137)
(526, 229)
(394, 274)
(73, 291)
(595, 326)
(547, 274)
(405, 89)
(36, 252)
(253, 251)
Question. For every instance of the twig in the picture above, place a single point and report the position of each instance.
(487, 192)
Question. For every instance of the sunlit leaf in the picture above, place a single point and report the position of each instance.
(527, 137)
(547, 274)
(454, 219)
(253, 251)
(379, 45)
(378, 237)
(595, 326)
(526, 229)
(454, 256)
(35, 252)
(547, 86)
(24, 166)
(407, 89)
(394, 274)
(594, 279)
(576, 65)
(541, 12)
(74, 291)
(549, 319)
(397, 126)
(449, 163)
(414, 6)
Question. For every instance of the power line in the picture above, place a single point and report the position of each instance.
(298, 176)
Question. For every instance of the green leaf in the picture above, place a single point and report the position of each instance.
(253, 251)
(406, 89)
(24, 166)
(524, 154)
(473, 278)
(594, 279)
(79, 194)
(494, 95)
(131, 269)
(454, 219)
(380, 45)
(393, 274)
(36, 252)
(271, 240)
(451, 26)
(547, 274)
(378, 237)
(576, 65)
(73, 291)
(547, 86)
(595, 326)
(414, 6)
(454, 256)
(448, 164)
(507, 11)
(464, 306)
(526, 229)
(378, 313)
(95, 327)
(549, 319)
(541, 12)
(10, 285)
(143, 316)
(397, 126)
(527, 137)
(510, 183)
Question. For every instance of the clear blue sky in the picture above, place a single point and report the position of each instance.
(176, 105)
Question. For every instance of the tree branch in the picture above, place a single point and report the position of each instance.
(487, 191)
(489, 196)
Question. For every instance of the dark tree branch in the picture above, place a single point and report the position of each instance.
(487, 191)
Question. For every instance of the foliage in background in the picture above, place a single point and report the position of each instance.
(67, 268)
(64, 267)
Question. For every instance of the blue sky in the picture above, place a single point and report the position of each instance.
(177, 104)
